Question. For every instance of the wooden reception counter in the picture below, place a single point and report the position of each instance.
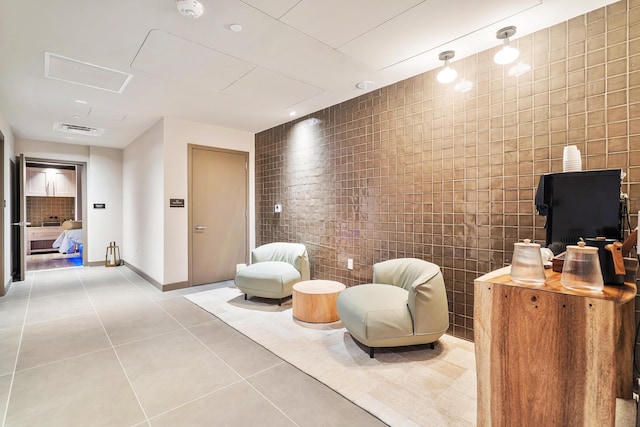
(547, 355)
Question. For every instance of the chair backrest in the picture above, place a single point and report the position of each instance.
(427, 300)
(292, 253)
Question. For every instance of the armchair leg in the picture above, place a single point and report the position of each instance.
(279, 302)
(371, 352)
(245, 297)
(432, 345)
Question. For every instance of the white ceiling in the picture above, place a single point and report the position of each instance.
(292, 55)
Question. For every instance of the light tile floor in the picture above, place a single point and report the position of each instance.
(102, 347)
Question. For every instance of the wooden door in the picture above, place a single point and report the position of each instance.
(218, 213)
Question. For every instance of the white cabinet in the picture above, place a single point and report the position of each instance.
(64, 183)
(36, 184)
(50, 182)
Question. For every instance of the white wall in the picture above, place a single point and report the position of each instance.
(52, 150)
(177, 135)
(9, 144)
(104, 185)
(142, 203)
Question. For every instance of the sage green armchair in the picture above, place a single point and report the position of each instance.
(405, 305)
(274, 269)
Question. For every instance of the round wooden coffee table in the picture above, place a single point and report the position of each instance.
(314, 301)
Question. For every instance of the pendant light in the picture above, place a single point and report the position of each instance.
(447, 74)
(507, 54)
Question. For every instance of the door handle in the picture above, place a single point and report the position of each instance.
(200, 228)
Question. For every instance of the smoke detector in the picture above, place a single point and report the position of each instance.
(190, 8)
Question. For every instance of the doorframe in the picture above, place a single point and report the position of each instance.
(83, 196)
(4, 287)
(190, 149)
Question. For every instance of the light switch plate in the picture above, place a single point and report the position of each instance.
(277, 208)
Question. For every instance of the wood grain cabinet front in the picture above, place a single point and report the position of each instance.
(548, 355)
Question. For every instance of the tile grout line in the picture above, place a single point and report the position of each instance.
(190, 333)
(243, 379)
(64, 359)
(179, 323)
(15, 365)
(113, 349)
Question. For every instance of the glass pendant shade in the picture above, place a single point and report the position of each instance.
(506, 55)
(447, 74)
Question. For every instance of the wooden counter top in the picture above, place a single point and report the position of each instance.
(619, 294)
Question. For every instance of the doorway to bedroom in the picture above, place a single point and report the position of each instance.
(53, 207)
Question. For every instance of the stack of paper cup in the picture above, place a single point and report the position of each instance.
(571, 160)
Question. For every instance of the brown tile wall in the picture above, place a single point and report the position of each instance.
(417, 170)
(49, 209)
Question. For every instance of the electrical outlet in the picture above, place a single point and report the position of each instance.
(349, 263)
(277, 208)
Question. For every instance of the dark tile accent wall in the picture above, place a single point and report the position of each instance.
(56, 209)
(417, 169)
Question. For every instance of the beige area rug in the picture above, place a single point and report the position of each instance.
(404, 386)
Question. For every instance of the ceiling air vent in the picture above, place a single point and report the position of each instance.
(82, 73)
(77, 129)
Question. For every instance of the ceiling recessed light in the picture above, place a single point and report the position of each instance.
(236, 28)
(293, 113)
(79, 101)
(364, 85)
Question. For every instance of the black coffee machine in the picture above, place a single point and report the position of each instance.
(585, 206)
(579, 205)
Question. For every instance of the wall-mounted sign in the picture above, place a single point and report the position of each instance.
(176, 203)
(99, 205)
